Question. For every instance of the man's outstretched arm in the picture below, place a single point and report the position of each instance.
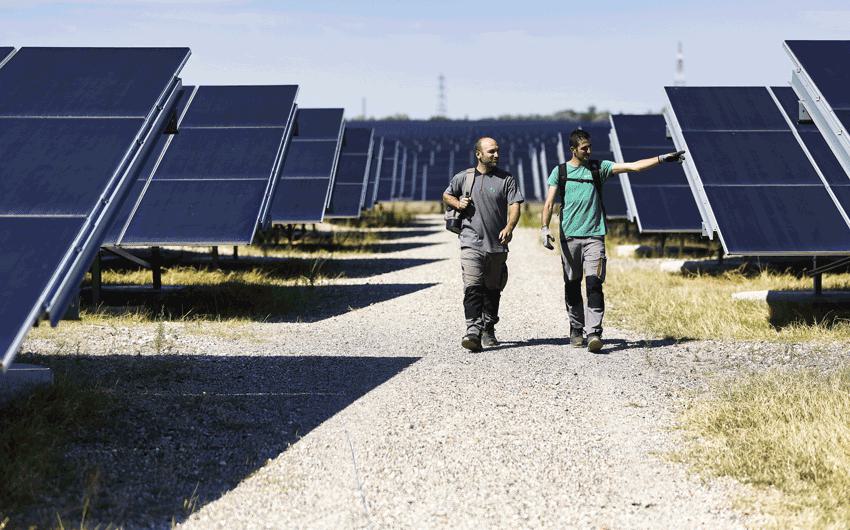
(647, 163)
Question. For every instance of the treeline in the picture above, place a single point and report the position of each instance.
(589, 115)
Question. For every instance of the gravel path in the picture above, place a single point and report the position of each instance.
(376, 417)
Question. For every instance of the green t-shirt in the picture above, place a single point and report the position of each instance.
(582, 210)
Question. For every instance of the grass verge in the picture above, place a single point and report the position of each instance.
(701, 306)
(35, 431)
(789, 431)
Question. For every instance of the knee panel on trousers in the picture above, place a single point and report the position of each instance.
(595, 298)
(573, 292)
(473, 301)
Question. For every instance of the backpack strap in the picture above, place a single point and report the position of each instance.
(468, 181)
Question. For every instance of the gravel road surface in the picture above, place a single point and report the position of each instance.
(364, 411)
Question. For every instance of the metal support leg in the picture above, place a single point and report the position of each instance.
(817, 279)
(235, 252)
(289, 230)
(681, 245)
(719, 254)
(214, 255)
(663, 243)
(156, 269)
(96, 278)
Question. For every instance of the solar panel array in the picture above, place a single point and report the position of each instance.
(659, 200)
(75, 125)
(211, 183)
(352, 174)
(303, 190)
(758, 186)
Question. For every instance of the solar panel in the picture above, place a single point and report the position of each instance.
(389, 168)
(369, 197)
(352, 173)
(758, 187)
(303, 190)
(5, 52)
(230, 141)
(659, 200)
(821, 79)
(75, 126)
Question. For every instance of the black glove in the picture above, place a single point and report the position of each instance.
(678, 156)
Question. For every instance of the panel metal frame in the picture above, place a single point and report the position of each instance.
(820, 110)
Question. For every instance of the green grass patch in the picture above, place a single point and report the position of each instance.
(701, 306)
(789, 431)
(35, 431)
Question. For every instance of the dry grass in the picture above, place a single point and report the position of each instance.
(787, 431)
(701, 306)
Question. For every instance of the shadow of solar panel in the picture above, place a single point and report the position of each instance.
(319, 123)
(666, 208)
(300, 200)
(194, 212)
(241, 106)
(217, 154)
(59, 167)
(74, 81)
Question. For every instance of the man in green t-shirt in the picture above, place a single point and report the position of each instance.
(583, 231)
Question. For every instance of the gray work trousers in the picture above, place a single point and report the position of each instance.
(484, 276)
(584, 256)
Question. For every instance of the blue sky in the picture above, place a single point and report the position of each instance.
(498, 57)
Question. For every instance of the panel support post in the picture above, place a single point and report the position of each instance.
(235, 252)
(156, 269)
(681, 245)
(817, 279)
(96, 278)
(719, 254)
(663, 243)
(289, 230)
(214, 254)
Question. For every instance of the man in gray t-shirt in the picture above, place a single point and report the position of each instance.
(490, 213)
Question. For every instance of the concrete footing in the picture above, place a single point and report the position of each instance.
(22, 378)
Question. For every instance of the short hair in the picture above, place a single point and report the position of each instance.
(577, 136)
(478, 142)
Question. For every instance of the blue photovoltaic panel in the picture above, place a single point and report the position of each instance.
(242, 106)
(75, 126)
(757, 186)
(820, 79)
(213, 180)
(661, 199)
(352, 173)
(46, 166)
(824, 158)
(308, 167)
(320, 124)
(4, 52)
(196, 212)
(221, 154)
(85, 81)
(374, 172)
(389, 169)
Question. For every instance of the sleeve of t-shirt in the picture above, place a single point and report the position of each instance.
(455, 187)
(553, 177)
(514, 194)
(606, 169)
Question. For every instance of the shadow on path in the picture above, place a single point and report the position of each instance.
(181, 431)
(609, 346)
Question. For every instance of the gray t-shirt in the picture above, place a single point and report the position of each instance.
(488, 213)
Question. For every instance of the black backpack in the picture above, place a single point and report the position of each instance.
(594, 167)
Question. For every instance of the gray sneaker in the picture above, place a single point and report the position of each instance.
(488, 338)
(471, 342)
(594, 343)
(576, 338)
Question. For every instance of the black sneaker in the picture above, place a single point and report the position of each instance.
(471, 342)
(576, 338)
(488, 338)
(594, 343)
